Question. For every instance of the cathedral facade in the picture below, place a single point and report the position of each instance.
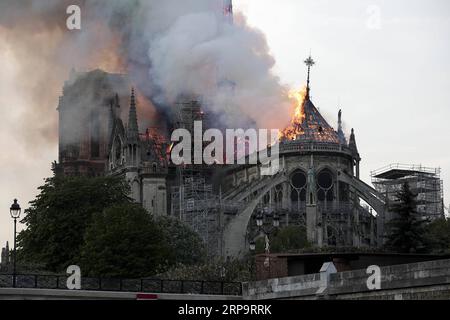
(142, 160)
(93, 139)
(317, 186)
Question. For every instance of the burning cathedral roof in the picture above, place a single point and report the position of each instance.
(307, 124)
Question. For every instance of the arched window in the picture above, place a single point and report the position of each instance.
(298, 189)
(325, 184)
(298, 179)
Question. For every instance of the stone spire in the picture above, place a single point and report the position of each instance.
(352, 144)
(309, 62)
(133, 129)
(355, 153)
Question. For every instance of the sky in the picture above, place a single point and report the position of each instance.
(384, 63)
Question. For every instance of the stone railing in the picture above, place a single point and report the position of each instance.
(59, 282)
(294, 146)
(424, 280)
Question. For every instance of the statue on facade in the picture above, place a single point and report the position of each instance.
(267, 246)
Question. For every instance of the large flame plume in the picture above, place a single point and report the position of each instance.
(295, 128)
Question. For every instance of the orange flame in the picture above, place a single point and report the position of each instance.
(298, 97)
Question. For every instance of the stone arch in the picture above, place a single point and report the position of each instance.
(376, 200)
(235, 233)
(278, 196)
(290, 172)
(326, 166)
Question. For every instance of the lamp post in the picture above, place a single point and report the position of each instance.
(15, 211)
(267, 232)
(252, 246)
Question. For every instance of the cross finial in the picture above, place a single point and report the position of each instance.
(309, 62)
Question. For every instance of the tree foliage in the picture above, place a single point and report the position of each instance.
(186, 246)
(57, 219)
(123, 241)
(92, 222)
(407, 228)
(438, 235)
(287, 239)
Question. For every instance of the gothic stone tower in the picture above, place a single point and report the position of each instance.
(89, 103)
(142, 160)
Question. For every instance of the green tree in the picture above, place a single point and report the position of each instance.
(407, 228)
(438, 235)
(123, 241)
(186, 246)
(287, 239)
(57, 219)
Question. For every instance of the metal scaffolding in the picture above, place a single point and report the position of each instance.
(423, 181)
(192, 198)
(194, 202)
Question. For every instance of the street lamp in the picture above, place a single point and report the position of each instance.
(259, 220)
(252, 245)
(252, 259)
(261, 213)
(276, 221)
(15, 211)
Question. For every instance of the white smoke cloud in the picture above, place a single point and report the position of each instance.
(170, 49)
(199, 49)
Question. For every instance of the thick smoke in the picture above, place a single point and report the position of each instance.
(228, 65)
(170, 49)
(179, 49)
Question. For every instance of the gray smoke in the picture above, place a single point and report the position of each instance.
(177, 48)
(170, 49)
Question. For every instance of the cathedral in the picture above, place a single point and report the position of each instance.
(317, 185)
(94, 140)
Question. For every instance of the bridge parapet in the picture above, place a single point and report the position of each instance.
(89, 284)
(424, 280)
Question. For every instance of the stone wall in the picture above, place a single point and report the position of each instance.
(50, 294)
(424, 280)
